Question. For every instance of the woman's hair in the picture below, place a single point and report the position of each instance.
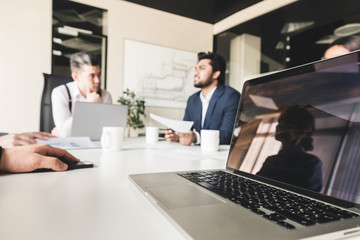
(351, 43)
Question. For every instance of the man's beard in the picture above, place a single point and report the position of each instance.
(208, 82)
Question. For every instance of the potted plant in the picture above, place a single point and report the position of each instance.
(136, 109)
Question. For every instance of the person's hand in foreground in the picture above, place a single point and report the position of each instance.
(187, 138)
(22, 139)
(32, 157)
(171, 136)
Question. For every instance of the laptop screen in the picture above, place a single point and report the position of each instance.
(301, 127)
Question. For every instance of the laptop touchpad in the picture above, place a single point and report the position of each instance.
(181, 196)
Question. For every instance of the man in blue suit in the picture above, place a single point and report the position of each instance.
(214, 107)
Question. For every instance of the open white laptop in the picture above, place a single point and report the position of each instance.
(271, 189)
(90, 118)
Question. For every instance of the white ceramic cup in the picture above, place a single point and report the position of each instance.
(152, 134)
(112, 138)
(209, 140)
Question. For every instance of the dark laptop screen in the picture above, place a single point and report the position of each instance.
(301, 127)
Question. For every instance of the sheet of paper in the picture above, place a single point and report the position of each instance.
(69, 142)
(175, 125)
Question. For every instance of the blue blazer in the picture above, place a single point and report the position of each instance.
(220, 114)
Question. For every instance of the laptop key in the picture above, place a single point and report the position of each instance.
(209, 186)
(257, 211)
(326, 218)
(346, 214)
(285, 224)
(296, 218)
(277, 216)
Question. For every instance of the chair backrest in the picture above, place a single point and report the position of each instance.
(50, 82)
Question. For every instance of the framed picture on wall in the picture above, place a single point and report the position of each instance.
(163, 76)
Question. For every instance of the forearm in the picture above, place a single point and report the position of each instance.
(187, 138)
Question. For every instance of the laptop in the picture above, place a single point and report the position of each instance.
(293, 169)
(90, 118)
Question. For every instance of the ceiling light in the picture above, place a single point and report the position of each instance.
(56, 52)
(280, 45)
(347, 30)
(57, 40)
(295, 26)
(264, 102)
(327, 39)
(72, 31)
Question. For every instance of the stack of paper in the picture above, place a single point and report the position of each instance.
(175, 125)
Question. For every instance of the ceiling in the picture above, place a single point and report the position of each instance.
(210, 11)
(323, 17)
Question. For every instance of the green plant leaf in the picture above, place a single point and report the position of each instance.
(136, 108)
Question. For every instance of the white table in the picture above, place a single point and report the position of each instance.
(97, 203)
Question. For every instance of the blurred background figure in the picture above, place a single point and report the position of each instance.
(342, 46)
(292, 164)
(86, 73)
(213, 107)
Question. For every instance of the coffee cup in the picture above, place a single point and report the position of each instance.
(112, 138)
(209, 140)
(152, 135)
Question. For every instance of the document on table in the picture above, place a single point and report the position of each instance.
(175, 125)
(69, 142)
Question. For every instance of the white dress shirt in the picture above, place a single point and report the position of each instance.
(60, 105)
(205, 104)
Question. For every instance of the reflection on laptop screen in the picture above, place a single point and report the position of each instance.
(302, 127)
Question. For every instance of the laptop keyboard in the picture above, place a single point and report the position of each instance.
(273, 204)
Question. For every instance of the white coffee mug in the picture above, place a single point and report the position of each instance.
(112, 138)
(152, 135)
(209, 140)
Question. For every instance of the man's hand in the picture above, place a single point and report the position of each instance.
(187, 138)
(40, 135)
(22, 139)
(93, 97)
(30, 158)
(171, 136)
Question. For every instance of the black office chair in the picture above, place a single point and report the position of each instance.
(50, 82)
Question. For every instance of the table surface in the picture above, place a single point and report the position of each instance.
(99, 202)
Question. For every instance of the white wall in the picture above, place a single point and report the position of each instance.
(25, 47)
(131, 21)
(25, 51)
